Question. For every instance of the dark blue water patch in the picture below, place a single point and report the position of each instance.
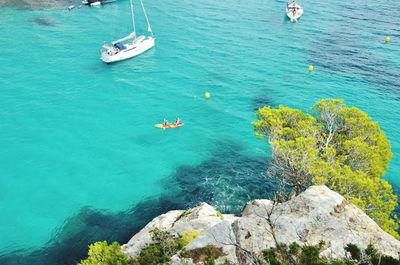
(69, 245)
(43, 21)
(262, 100)
(227, 181)
(35, 4)
(342, 49)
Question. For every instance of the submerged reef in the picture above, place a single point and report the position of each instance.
(227, 180)
(35, 4)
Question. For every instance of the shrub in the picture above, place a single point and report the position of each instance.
(207, 255)
(163, 247)
(188, 236)
(100, 253)
(220, 215)
(310, 255)
(370, 256)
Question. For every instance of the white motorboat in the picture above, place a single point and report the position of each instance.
(294, 11)
(131, 45)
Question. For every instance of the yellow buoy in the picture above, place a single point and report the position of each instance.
(207, 95)
(310, 68)
(387, 39)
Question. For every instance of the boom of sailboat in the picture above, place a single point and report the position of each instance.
(131, 45)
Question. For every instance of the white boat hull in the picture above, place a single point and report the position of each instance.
(132, 50)
(97, 3)
(294, 11)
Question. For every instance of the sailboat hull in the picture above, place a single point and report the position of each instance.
(294, 16)
(132, 50)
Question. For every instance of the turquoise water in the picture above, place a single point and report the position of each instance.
(79, 134)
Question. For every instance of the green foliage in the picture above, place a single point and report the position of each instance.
(100, 253)
(163, 247)
(188, 236)
(206, 255)
(272, 258)
(354, 251)
(227, 262)
(310, 255)
(212, 253)
(337, 146)
(220, 215)
(298, 255)
(370, 256)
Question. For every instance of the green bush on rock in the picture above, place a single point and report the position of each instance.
(220, 215)
(164, 245)
(310, 255)
(334, 145)
(100, 253)
(188, 236)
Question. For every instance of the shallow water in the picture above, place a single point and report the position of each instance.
(81, 160)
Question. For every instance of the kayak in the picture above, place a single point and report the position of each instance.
(169, 125)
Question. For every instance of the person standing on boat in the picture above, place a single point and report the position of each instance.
(294, 8)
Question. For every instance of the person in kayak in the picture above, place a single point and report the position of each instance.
(178, 121)
(165, 123)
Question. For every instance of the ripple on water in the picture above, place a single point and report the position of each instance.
(227, 180)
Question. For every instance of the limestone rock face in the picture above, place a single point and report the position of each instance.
(139, 241)
(200, 219)
(314, 215)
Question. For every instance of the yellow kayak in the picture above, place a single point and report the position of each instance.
(169, 125)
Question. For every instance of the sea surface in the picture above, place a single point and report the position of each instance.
(80, 158)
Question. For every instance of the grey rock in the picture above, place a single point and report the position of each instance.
(220, 235)
(315, 215)
(139, 241)
(198, 219)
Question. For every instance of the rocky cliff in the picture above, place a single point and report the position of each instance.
(317, 214)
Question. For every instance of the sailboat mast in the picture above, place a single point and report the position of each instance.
(133, 18)
(147, 19)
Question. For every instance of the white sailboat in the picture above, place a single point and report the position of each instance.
(294, 11)
(131, 45)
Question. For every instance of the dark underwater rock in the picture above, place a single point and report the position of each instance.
(34, 4)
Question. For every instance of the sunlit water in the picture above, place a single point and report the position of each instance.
(80, 157)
